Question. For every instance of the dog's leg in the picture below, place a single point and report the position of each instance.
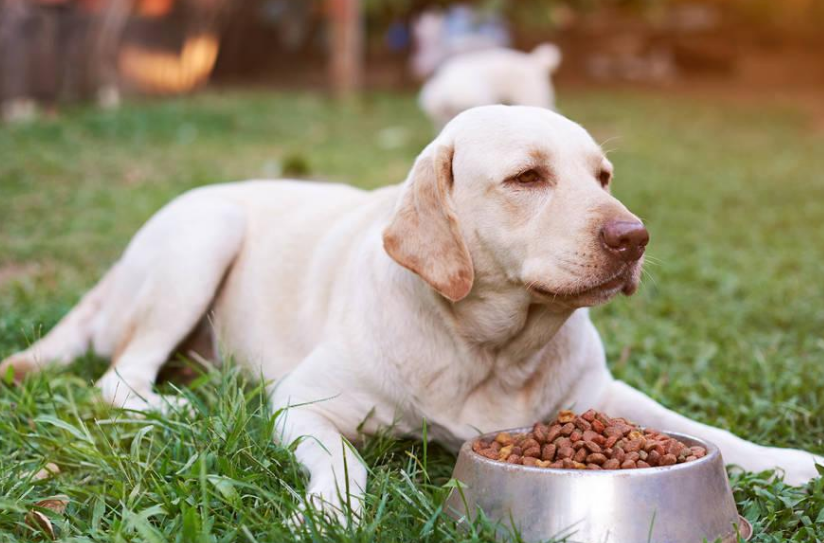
(69, 339)
(170, 274)
(622, 400)
(149, 301)
(336, 475)
(318, 412)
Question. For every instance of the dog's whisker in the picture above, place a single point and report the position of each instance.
(612, 138)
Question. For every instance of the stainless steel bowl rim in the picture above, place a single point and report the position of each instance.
(712, 451)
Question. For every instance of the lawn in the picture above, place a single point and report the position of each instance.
(727, 328)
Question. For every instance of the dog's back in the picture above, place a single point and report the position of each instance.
(491, 76)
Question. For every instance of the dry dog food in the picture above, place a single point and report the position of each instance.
(588, 441)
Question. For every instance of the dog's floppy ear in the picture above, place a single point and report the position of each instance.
(423, 235)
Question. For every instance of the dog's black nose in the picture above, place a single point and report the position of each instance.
(625, 239)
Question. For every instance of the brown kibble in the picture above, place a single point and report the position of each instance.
(667, 460)
(504, 453)
(626, 429)
(563, 442)
(534, 452)
(591, 440)
(675, 447)
(553, 432)
(698, 452)
(540, 431)
(596, 458)
(504, 438)
(491, 454)
(582, 424)
(565, 452)
(566, 416)
(607, 452)
(613, 431)
(634, 445)
(529, 443)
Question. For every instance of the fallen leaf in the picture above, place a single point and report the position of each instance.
(50, 470)
(37, 519)
(57, 504)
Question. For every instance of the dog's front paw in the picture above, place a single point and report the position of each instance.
(326, 505)
(17, 366)
(798, 467)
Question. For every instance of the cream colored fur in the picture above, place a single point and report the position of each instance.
(458, 297)
(491, 76)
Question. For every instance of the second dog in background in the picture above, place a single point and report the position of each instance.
(491, 76)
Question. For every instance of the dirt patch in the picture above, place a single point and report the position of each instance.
(14, 271)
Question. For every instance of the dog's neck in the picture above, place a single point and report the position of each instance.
(505, 321)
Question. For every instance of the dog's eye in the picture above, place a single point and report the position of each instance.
(604, 177)
(529, 177)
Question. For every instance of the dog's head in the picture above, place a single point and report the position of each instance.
(521, 194)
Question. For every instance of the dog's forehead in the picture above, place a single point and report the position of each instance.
(507, 128)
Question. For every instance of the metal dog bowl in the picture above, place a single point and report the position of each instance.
(684, 503)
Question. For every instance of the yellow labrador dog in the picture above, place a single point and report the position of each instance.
(458, 297)
(491, 76)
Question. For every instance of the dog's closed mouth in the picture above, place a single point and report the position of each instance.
(604, 289)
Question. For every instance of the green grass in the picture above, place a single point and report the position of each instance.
(728, 327)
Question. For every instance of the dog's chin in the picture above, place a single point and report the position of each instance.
(591, 295)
